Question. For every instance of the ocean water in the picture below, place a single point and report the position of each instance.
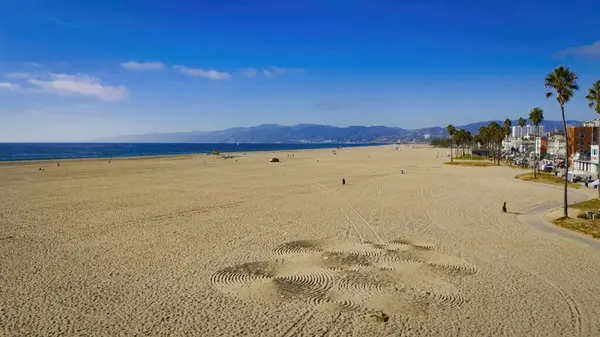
(41, 151)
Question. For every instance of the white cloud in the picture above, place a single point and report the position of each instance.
(9, 86)
(281, 71)
(267, 73)
(210, 74)
(592, 50)
(132, 65)
(273, 71)
(33, 64)
(250, 72)
(80, 85)
(18, 75)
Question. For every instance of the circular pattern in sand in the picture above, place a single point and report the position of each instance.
(298, 247)
(351, 276)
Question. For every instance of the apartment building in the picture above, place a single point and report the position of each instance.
(582, 137)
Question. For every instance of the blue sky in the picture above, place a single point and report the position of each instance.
(80, 70)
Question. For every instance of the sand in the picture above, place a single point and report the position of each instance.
(190, 245)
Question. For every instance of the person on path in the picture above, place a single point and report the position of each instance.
(343, 181)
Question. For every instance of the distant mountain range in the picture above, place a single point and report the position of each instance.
(311, 133)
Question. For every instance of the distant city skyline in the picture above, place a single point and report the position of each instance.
(73, 71)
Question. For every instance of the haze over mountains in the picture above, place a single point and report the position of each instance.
(310, 133)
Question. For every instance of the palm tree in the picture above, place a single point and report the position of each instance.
(484, 138)
(536, 116)
(594, 97)
(468, 138)
(451, 131)
(463, 139)
(458, 140)
(522, 122)
(507, 127)
(563, 82)
(496, 134)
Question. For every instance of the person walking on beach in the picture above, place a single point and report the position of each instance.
(343, 181)
(504, 207)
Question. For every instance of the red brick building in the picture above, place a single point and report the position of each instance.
(580, 138)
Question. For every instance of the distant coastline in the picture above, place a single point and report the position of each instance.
(23, 152)
(310, 134)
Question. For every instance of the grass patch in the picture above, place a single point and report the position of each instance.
(580, 224)
(588, 205)
(467, 157)
(586, 226)
(471, 163)
(545, 178)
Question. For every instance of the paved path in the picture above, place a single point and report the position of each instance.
(535, 218)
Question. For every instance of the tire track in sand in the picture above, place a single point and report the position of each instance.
(366, 223)
(302, 320)
(292, 330)
(341, 210)
(575, 312)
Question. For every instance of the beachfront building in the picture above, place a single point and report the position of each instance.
(526, 131)
(541, 146)
(517, 132)
(583, 144)
(557, 145)
(582, 137)
(587, 163)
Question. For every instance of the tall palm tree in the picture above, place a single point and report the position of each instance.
(469, 141)
(496, 134)
(484, 139)
(464, 137)
(536, 116)
(451, 131)
(594, 97)
(462, 140)
(507, 128)
(563, 82)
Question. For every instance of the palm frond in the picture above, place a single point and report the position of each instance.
(593, 97)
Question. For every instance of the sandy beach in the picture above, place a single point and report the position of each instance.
(198, 246)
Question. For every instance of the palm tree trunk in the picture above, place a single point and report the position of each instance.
(565, 205)
(499, 152)
(534, 166)
(451, 158)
